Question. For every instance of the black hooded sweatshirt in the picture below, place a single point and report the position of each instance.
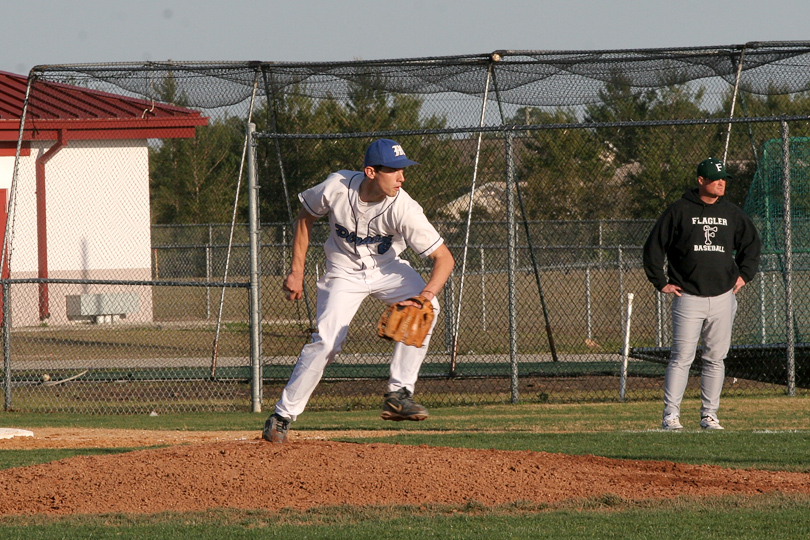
(707, 246)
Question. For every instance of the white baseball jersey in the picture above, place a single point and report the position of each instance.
(368, 235)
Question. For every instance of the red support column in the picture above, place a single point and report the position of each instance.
(42, 224)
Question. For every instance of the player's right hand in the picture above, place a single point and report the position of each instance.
(293, 287)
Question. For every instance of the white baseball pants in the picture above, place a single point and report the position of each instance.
(340, 293)
(706, 318)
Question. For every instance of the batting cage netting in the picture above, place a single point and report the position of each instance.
(149, 208)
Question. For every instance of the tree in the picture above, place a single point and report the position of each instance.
(620, 103)
(666, 156)
(567, 171)
(368, 107)
(193, 180)
(621, 171)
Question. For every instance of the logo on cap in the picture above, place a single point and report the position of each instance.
(712, 169)
(386, 153)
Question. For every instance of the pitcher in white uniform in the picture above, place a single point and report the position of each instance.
(372, 220)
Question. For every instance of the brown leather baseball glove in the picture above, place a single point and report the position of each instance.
(407, 324)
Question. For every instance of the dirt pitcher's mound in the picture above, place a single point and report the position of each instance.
(306, 474)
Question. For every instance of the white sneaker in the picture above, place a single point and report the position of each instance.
(671, 422)
(710, 422)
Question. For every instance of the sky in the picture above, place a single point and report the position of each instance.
(48, 32)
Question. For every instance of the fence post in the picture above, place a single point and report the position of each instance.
(284, 250)
(659, 319)
(620, 260)
(208, 271)
(588, 307)
(791, 359)
(6, 308)
(449, 314)
(601, 255)
(763, 305)
(255, 277)
(626, 348)
(511, 264)
(483, 292)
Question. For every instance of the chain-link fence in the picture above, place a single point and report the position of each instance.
(542, 171)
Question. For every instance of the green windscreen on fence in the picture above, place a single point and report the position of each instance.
(766, 198)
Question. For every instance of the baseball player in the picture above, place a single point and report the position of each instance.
(712, 249)
(371, 220)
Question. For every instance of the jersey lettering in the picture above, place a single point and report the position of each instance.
(709, 233)
(384, 242)
(709, 221)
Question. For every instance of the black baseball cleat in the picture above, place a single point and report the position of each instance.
(400, 406)
(276, 428)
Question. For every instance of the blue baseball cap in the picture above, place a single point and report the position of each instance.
(386, 153)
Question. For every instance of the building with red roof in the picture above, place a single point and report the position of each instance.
(81, 204)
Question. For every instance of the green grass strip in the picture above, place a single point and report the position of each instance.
(784, 451)
(740, 518)
(24, 458)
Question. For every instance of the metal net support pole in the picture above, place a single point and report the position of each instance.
(733, 101)
(245, 149)
(255, 277)
(550, 335)
(786, 187)
(454, 348)
(5, 251)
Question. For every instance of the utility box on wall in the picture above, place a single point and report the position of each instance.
(101, 308)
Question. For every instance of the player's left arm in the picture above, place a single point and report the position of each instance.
(748, 247)
(443, 263)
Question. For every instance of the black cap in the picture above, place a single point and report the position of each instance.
(712, 169)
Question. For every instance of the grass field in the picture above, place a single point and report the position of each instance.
(770, 433)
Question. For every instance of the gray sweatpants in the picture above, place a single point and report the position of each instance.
(694, 318)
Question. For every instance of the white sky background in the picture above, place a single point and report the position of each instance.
(41, 32)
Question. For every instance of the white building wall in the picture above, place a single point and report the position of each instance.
(6, 170)
(97, 195)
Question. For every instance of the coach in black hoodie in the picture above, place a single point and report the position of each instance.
(712, 250)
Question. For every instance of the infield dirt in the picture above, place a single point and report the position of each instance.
(226, 469)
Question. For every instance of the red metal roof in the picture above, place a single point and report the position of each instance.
(87, 114)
